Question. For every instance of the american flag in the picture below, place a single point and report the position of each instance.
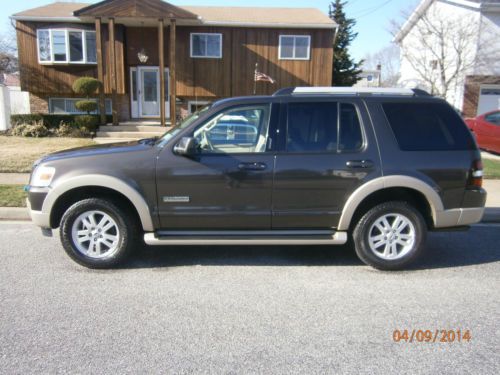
(259, 76)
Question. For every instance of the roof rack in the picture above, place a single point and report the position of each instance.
(358, 91)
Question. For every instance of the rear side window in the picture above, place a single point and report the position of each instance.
(318, 127)
(427, 127)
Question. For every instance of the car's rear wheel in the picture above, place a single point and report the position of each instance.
(390, 236)
(97, 234)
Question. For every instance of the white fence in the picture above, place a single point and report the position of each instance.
(12, 101)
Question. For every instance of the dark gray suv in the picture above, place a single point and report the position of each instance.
(305, 166)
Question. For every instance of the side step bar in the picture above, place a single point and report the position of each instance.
(246, 238)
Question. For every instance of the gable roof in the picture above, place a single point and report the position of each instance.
(422, 7)
(133, 8)
(208, 15)
(248, 16)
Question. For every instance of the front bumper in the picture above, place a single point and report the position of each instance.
(34, 202)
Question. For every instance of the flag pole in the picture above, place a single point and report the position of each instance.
(255, 78)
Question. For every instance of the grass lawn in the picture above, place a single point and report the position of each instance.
(491, 168)
(17, 154)
(12, 196)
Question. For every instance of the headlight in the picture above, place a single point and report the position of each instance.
(42, 176)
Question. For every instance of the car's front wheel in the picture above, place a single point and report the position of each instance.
(390, 236)
(96, 233)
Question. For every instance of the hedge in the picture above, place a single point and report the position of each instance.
(50, 121)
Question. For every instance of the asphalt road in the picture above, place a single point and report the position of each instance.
(247, 310)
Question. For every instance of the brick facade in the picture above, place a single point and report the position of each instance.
(472, 91)
(38, 104)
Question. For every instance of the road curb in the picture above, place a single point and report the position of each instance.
(14, 213)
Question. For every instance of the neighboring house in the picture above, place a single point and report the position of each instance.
(369, 78)
(461, 39)
(206, 53)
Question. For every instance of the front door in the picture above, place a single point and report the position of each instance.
(145, 92)
(149, 79)
(227, 185)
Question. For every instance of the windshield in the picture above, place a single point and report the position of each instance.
(163, 140)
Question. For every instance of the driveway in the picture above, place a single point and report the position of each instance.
(247, 309)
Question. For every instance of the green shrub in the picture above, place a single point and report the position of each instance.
(86, 105)
(90, 122)
(86, 86)
(25, 119)
(51, 121)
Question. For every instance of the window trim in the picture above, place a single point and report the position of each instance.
(107, 100)
(204, 57)
(294, 47)
(67, 47)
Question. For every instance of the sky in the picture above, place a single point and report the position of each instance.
(373, 16)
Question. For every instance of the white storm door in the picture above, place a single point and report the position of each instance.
(149, 103)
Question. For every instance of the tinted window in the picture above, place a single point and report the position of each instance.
(314, 127)
(427, 127)
(350, 137)
(493, 118)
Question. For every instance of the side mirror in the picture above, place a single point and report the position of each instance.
(185, 147)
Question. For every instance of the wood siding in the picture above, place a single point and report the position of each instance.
(242, 48)
(196, 77)
(58, 78)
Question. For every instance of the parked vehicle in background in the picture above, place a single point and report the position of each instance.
(486, 129)
(305, 166)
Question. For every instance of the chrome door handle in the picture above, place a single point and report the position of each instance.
(359, 164)
(254, 166)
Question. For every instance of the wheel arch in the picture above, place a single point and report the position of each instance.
(393, 188)
(89, 185)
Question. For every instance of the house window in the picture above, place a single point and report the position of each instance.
(206, 45)
(67, 106)
(294, 47)
(196, 105)
(66, 46)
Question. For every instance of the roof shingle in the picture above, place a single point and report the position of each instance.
(210, 15)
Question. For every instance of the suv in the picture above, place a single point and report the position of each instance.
(378, 168)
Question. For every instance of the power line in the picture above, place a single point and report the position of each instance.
(371, 10)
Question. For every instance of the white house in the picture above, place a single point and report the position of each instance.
(369, 78)
(452, 48)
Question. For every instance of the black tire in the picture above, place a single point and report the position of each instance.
(126, 230)
(410, 254)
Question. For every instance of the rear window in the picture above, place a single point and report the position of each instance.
(427, 127)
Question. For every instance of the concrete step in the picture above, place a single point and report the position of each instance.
(133, 128)
(129, 134)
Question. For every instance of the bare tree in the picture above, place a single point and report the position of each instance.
(388, 59)
(441, 50)
(8, 52)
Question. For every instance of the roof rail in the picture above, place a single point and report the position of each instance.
(359, 91)
(353, 91)
(284, 91)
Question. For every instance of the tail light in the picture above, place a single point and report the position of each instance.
(475, 179)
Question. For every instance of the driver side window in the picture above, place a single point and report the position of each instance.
(237, 130)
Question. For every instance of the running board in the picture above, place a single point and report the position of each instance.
(246, 238)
